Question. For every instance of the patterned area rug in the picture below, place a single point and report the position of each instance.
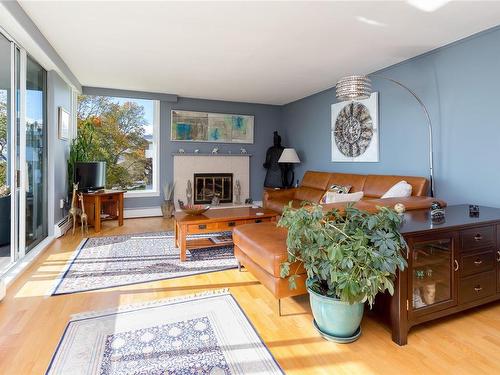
(205, 334)
(105, 262)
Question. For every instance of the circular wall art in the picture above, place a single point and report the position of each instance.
(353, 129)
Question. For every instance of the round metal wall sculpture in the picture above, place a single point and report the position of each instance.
(353, 129)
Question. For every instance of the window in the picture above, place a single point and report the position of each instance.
(124, 133)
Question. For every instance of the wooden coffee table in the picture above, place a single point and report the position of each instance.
(213, 221)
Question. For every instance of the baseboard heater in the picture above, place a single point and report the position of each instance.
(62, 226)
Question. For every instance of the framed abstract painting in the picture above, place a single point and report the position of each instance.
(355, 130)
(193, 126)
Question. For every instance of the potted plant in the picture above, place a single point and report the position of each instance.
(349, 258)
(5, 215)
(167, 207)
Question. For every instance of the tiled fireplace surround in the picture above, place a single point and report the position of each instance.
(186, 165)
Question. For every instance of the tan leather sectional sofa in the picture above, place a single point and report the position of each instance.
(315, 184)
(261, 248)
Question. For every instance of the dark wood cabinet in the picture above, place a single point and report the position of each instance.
(452, 266)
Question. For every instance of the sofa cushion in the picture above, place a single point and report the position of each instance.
(401, 190)
(337, 189)
(316, 180)
(336, 197)
(309, 194)
(265, 244)
(279, 205)
(356, 181)
(376, 185)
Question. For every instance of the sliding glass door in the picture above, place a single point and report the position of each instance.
(36, 154)
(23, 153)
(6, 148)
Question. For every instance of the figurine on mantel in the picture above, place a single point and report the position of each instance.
(189, 193)
(215, 150)
(197, 151)
(243, 151)
(216, 199)
(237, 192)
(181, 151)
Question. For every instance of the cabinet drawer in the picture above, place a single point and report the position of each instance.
(477, 287)
(477, 263)
(258, 220)
(229, 225)
(202, 228)
(477, 238)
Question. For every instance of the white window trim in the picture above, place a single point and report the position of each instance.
(155, 191)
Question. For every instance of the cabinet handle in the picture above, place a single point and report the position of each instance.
(478, 237)
(202, 226)
(478, 288)
(456, 265)
(498, 256)
(478, 262)
(231, 224)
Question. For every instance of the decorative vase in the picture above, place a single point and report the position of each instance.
(336, 320)
(167, 209)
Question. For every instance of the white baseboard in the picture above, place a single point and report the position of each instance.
(130, 213)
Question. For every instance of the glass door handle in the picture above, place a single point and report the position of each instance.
(456, 265)
(498, 256)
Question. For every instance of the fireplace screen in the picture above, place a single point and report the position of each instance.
(208, 185)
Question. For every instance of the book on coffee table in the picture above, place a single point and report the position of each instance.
(222, 239)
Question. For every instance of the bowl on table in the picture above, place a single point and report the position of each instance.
(194, 209)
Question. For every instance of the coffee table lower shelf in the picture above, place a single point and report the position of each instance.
(204, 243)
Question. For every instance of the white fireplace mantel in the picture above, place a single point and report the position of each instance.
(186, 165)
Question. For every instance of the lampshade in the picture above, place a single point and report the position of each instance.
(289, 156)
(353, 88)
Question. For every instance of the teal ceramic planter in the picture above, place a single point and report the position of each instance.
(334, 317)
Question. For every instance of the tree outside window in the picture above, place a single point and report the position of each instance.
(122, 135)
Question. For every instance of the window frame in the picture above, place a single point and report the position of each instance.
(155, 191)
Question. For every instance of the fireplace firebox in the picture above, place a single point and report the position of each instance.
(208, 185)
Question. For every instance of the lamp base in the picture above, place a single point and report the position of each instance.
(287, 176)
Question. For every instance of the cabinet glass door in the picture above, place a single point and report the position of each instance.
(433, 274)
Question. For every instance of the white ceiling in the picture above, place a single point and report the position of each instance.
(262, 52)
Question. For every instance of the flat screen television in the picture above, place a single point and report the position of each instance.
(90, 176)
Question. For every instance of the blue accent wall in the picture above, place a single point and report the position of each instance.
(267, 120)
(459, 85)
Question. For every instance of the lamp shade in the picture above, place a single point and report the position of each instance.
(289, 155)
(353, 88)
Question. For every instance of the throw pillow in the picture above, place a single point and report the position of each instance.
(339, 189)
(401, 190)
(338, 197)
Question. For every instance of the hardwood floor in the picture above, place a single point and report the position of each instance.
(31, 323)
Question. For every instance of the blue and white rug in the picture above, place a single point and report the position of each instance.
(205, 334)
(105, 262)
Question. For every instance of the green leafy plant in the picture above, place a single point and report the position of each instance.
(81, 149)
(352, 256)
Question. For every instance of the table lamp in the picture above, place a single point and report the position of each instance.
(288, 158)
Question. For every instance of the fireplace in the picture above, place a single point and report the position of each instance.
(207, 185)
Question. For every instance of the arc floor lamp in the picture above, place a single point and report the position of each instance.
(358, 87)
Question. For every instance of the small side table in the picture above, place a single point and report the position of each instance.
(109, 203)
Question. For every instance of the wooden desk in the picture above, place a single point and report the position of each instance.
(109, 202)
